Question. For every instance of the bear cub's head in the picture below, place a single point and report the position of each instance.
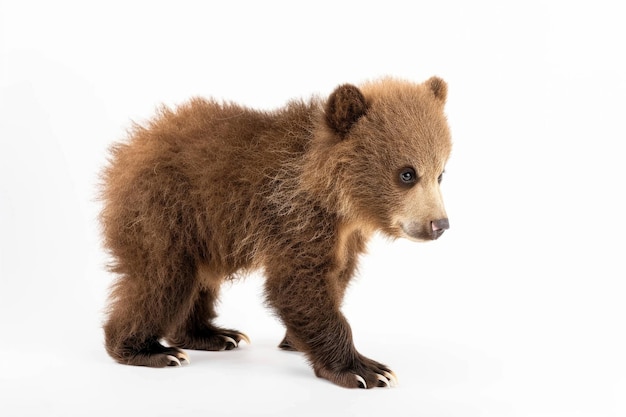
(390, 142)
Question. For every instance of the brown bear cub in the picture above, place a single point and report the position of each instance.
(214, 190)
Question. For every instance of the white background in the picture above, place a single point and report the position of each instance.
(518, 310)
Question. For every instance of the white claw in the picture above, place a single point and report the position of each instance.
(231, 340)
(173, 359)
(383, 379)
(360, 379)
(183, 356)
(245, 337)
(393, 379)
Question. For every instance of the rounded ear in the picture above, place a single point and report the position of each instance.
(344, 107)
(438, 87)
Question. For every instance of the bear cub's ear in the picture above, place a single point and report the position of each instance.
(438, 87)
(344, 107)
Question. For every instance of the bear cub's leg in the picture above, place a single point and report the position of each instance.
(316, 326)
(139, 319)
(198, 333)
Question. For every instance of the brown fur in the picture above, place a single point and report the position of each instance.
(213, 190)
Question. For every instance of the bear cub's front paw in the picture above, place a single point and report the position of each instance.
(362, 373)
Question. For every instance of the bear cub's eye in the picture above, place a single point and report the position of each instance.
(440, 177)
(408, 176)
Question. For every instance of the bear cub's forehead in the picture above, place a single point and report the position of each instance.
(394, 101)
(403, 109)
(394, 89)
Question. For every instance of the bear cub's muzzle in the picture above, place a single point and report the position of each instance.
(438, 227)
(425, 231)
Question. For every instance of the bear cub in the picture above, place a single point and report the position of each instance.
(213, 190)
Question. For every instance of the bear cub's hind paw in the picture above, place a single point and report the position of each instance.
(233, 339)
(212, 339)
(155, 355)
(178, 359)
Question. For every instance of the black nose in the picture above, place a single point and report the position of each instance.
(438, 227)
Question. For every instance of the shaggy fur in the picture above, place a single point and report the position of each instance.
(212, 190)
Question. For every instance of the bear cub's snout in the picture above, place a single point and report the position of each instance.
(439, 226)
